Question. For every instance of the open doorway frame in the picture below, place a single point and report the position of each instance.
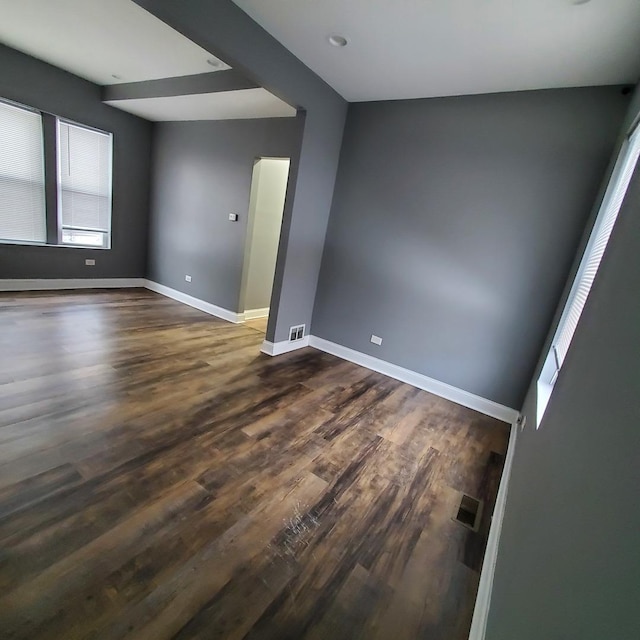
(269, 182)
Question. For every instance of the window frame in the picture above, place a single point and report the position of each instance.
(59, 225)
(553, 363)
(38, 112)
(52, 191)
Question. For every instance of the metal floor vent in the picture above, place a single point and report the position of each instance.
(469, 512)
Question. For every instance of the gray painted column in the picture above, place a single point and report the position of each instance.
(227, 32)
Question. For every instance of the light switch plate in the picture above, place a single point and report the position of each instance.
(187, 278)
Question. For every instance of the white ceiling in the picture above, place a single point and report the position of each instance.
(224, 105)
(427, 48)
(96, 39)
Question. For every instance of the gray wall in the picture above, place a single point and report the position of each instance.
(37, 84)
(226, 31)
(453, 227)
(569, 556)
(201, 173)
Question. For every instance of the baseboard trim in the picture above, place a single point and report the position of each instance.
(466, 399)
(54, 284)
(485, 587)
(196, 303)
(254, 314)
(278, 348)
(442, 389)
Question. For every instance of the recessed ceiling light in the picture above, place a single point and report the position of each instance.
(215, 63)
(337, 41)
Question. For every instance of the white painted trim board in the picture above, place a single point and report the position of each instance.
(278, 348)
(254, 314)
(459, 396)
(60, 284)
(55, 284)
(196, 303)
(485, 587)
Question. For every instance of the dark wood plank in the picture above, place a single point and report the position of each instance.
(161, 478)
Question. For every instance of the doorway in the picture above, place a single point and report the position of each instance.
(266, 206)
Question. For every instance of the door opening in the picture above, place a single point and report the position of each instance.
(266, 206)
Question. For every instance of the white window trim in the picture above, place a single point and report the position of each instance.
(61, 229)
(553, 364)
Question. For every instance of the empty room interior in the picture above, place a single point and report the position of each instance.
(319, 319)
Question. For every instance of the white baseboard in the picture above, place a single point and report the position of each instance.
(442, 389)
(466, 399)
(278, 348)
(483, 599)
(52, 284)
(196, 303)
(254, 314)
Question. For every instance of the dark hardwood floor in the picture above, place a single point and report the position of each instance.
(160, 478)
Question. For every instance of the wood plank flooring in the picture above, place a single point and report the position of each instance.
(160, 478)
(259, 324)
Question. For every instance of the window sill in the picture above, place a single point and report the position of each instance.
(544, 393)
(25, 243)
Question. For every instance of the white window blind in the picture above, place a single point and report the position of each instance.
(22, 198)
(597, 244)
(84, 185)
(589, 265)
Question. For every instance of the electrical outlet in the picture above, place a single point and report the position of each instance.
(376, 339)
(296, 333)
(187, 278)
(90, 262)
(233, 217)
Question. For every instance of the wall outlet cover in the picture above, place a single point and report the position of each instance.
(187, 278)
(296, 333)
(233, 217)
(90, 262)
(376, 339)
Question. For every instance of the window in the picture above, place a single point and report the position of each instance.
(22, 194)
(74, 209)
(84, 185)
(589, 265)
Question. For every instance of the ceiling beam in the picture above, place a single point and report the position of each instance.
(229, 80)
